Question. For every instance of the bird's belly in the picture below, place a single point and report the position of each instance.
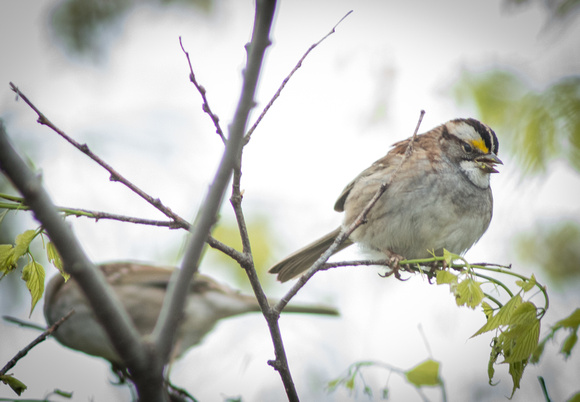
(414, 226)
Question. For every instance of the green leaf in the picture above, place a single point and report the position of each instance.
(16, 385)
(424, 374)
(54, 258)
(33, 274)
(528, 284)
(572, 321)
(22, 243)
(569, 344)
(574, 398)
(469, 293)
(502, 317)
(444, 277)
(6, 260)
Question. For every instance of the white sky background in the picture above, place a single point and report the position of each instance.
(139, 112)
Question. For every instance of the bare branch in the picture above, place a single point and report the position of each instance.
(206, 108)
(213, 243)
(35, 342)
(285, 81)
(114, 175)
(179, 222)
(170, 315)
(19, 204)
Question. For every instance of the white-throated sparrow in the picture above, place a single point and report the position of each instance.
(440, 198)
(141, 289)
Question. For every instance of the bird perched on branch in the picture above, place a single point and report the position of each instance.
(141, 289)
(438, 197)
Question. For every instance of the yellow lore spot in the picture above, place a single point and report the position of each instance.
(480, 144)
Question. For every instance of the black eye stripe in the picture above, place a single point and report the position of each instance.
(487, 134)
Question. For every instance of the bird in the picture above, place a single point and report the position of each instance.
(438, 197)
(141, 289)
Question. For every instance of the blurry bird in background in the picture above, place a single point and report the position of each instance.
(141, 289)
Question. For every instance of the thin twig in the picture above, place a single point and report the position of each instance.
(346, 232)
(205, 106)
(22, 323)
(296, 67)
(96, 215)
(35, 342)
(114, 175)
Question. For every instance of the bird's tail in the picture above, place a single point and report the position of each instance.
(301, 260)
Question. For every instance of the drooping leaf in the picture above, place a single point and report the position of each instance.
(516, 371)
(54, 258)
(424, 374)
(17, 386)
(33, 274)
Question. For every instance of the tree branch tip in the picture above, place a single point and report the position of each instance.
(342, 19)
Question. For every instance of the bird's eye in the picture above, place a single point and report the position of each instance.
(467, 148)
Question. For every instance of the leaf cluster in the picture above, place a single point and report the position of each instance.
(516, 323)
(33, 273)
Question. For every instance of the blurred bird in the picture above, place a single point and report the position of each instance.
(141, 289)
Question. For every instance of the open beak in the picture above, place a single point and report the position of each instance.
(487, 163)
